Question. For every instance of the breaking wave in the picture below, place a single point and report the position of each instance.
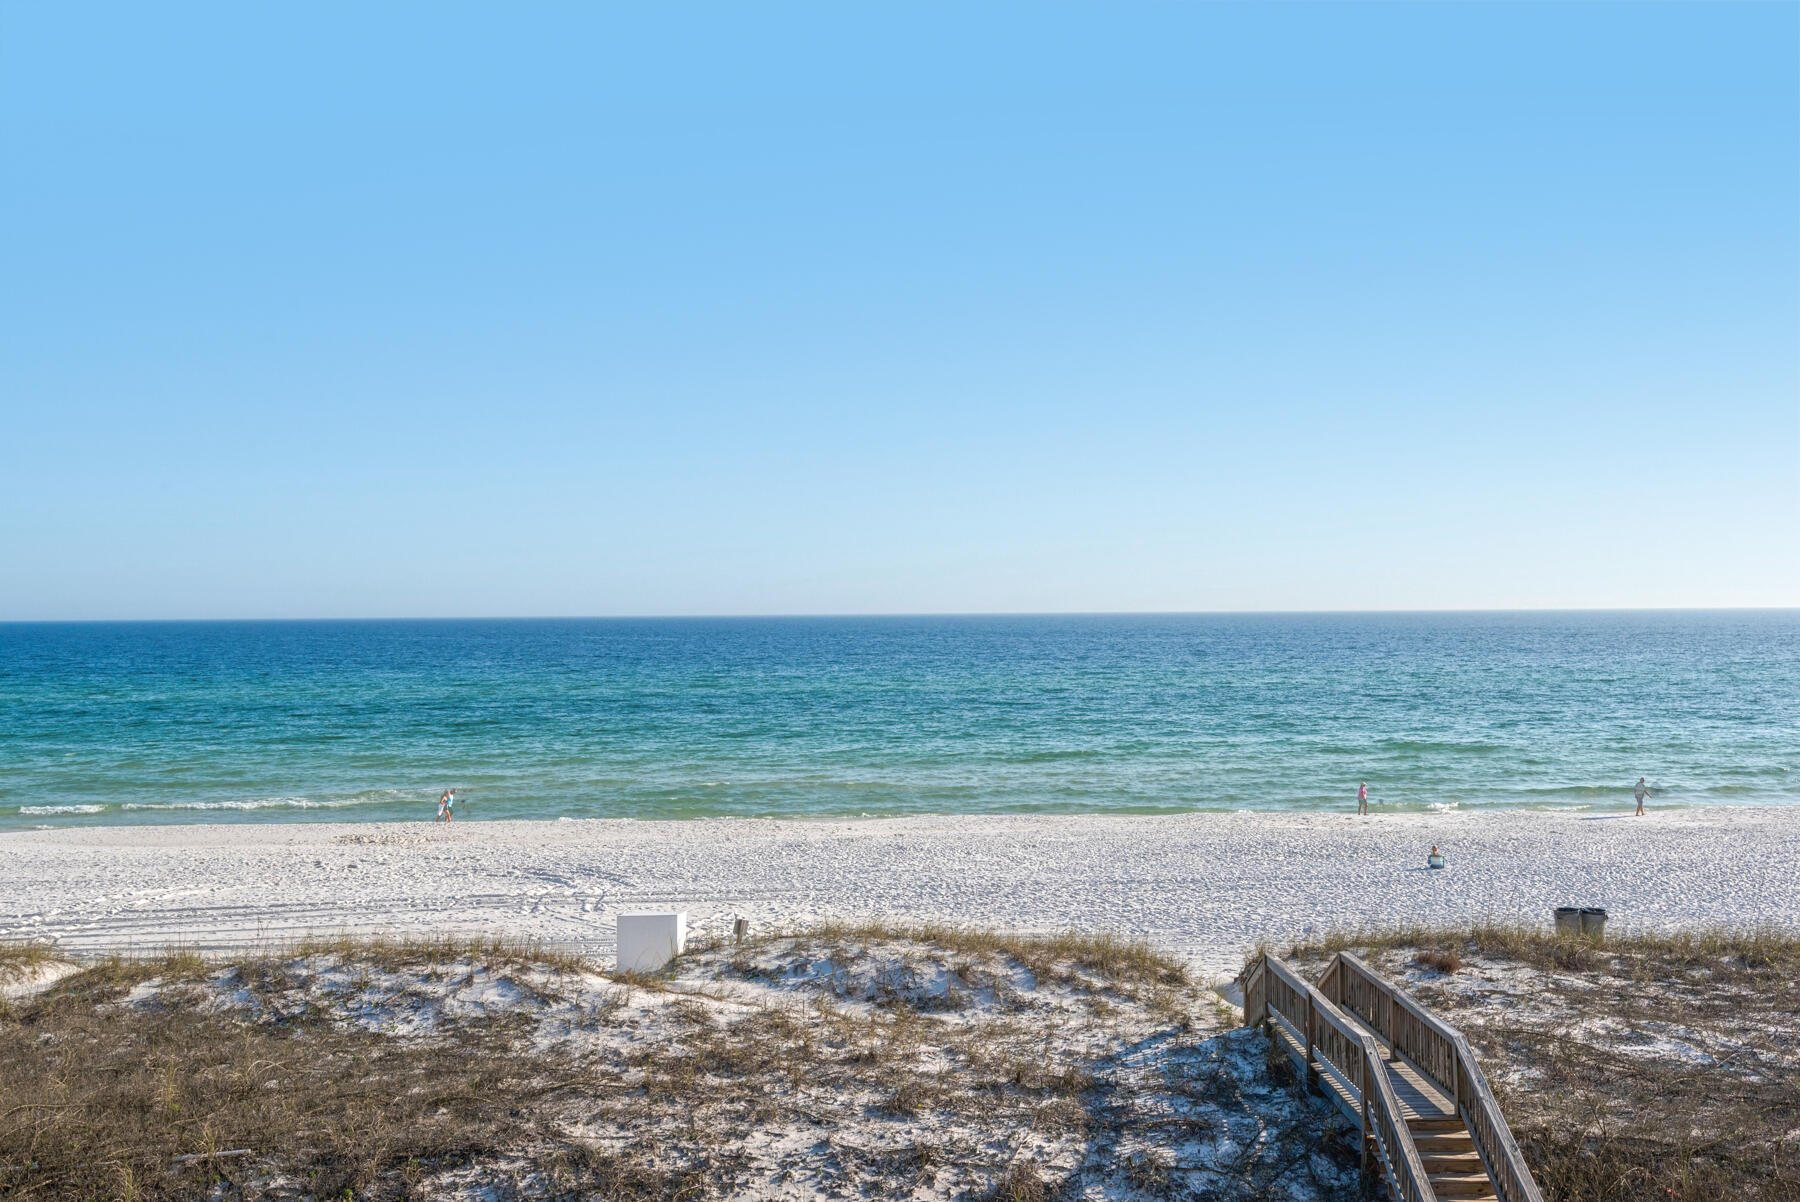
(258, 803)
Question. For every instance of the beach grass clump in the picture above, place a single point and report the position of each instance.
(1021, 1183)
(1444, 960)
(492, 953)
(1122, 962)
(111, 977)
(20, 959)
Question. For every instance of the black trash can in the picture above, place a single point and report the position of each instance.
(1568, 920)
(1593, 923)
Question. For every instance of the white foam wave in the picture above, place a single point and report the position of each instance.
(78, 809)
(259, 803)
(1444, 807)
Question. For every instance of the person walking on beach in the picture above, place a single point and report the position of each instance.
(1362, 798)
(446, 806)
(1641, 792)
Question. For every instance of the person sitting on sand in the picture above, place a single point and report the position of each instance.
(1362, 798)
(1641, 792)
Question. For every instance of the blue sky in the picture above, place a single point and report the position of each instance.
(370, 310)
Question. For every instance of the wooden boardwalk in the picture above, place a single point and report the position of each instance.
(1445, 1144)
(1407, 1078)
(1420, 1096)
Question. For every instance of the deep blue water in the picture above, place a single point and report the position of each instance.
(278, 721)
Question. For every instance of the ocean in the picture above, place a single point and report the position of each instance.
(161, 722)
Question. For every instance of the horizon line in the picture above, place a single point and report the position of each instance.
(996, 613)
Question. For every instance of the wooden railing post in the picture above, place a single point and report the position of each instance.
(1312, 1074)
(1393, 1042)
(1368, 1136)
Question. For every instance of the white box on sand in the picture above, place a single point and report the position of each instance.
(647, 941)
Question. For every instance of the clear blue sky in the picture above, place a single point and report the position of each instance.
(377, 309)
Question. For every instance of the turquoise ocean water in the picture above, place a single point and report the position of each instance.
(112, 723)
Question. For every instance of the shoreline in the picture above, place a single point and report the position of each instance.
(329, 814)
(1206, 885)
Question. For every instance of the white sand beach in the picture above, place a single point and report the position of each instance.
(1206, 886)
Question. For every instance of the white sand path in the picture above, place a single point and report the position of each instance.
(1205, 885)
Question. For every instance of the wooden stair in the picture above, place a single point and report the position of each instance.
(1452, 1164)
(1434, 1133)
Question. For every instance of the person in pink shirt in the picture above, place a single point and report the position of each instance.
(1362, 798)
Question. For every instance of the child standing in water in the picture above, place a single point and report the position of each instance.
(1641, 792)
(1362, 798)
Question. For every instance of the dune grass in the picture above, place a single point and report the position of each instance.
(493, 953)
(1744, 952)
(173, 1099)
(1121, 961)
(20, 959)
(136, 1077)
(121, 971)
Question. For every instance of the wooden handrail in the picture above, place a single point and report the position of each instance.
(1313, 1016)
(1408, 1027)
(1354, 1060)
(1444, 1053)
(1499, 1150)
(1405, 1168)
(1328, 1035)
